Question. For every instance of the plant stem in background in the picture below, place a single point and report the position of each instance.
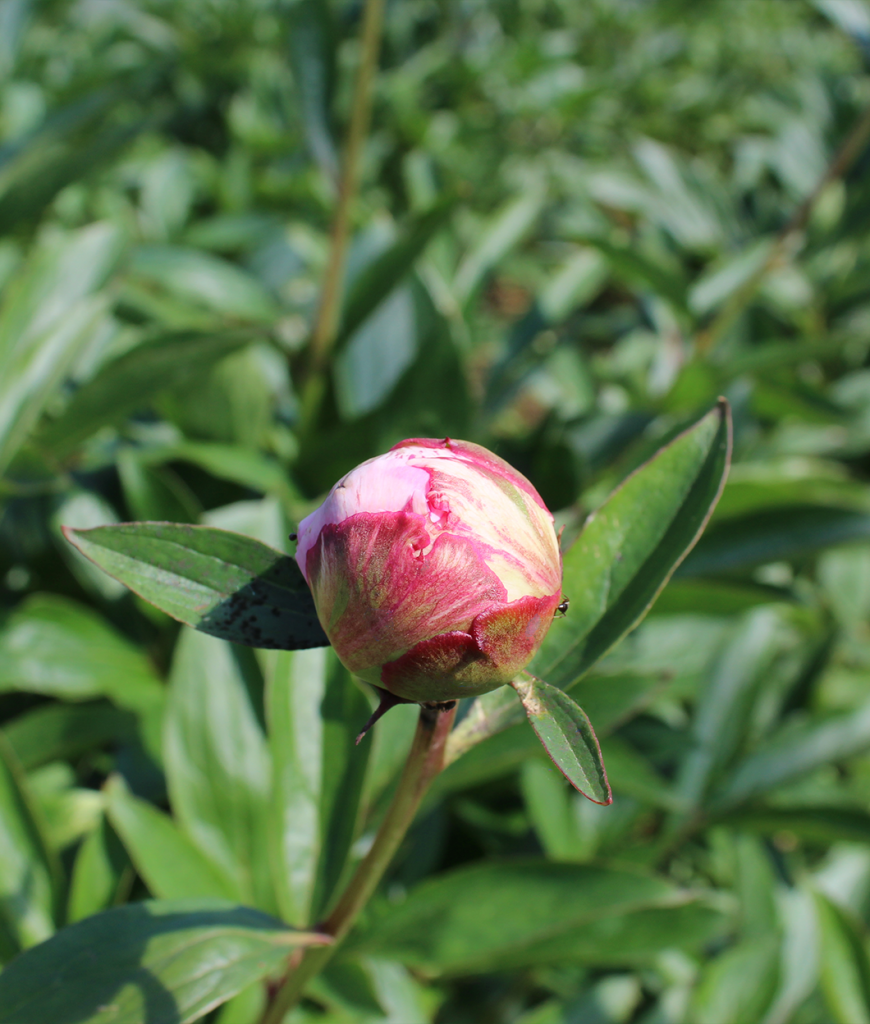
(840, 164)
(425, 760)
(326, 323)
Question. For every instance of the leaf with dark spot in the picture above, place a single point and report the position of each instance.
(219, 582)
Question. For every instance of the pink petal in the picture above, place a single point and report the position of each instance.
(381, 585)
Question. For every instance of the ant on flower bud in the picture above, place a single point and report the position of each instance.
(562, 608)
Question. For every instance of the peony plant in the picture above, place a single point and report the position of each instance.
(434, 571)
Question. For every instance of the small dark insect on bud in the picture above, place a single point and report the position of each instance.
(293, 536)
(562, 608)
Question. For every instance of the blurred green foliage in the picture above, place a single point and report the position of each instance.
(567, 242)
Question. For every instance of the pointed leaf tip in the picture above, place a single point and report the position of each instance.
(567, 735)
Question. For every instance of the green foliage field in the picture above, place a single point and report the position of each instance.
(578, 225)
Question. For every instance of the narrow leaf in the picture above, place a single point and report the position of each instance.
(738, 985)
(507, 228)
(725, 703)
(515, 914)
(377, 280)
(631, 546)
(821, 825)
(311, 45)
(130, 381)
(53, 646)
(217, 763)
(314, 711)
(793, 751)
(632, 266)
(55, 732)
(204, 280)
(101, 874)
(567, 735)
(170, 864)
(72, 143)
(295, 684)
(219, 582)
(25, 871)
(48, 314)
(773, 535)
(845, 968)
(619, 564)
(160, 962)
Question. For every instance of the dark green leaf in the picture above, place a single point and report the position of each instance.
(153, 492)
(26, 898)
(548, 806)
(380, 277)
(567, 735)
(507, 916)
(725, 703)
(794, 751)
(217, 762)
(166, 962)
(55, 732)
(845, 967)
(53, 646)
(769, 483)
(714, 597)
(101, 874)
(315, 712)
(641, 271)
(634, 775)
(505, 230)
(169, 863)
(131, 381)
(608, 701)
(816, 824)
(228, 462)
(739, 984)
(631, 546)
(73, 142)
(204, 280)
(619, 564)
(311, 40)
(498, 754)
(221, 583)
(773, 535)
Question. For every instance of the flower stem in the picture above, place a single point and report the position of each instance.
(425, 760)
(326, 324)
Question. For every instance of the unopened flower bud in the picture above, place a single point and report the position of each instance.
(434, 568)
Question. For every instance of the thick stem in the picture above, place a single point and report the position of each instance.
(326, 324)
(425, 760)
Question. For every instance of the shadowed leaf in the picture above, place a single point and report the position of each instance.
(219, 582)
(167, 962)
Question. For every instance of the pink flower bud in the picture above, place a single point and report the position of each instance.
(435, 569)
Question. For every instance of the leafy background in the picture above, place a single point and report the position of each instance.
(572, 234)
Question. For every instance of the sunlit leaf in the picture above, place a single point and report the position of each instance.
(567, 735)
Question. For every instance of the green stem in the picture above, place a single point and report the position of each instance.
(425, 760)
(326, 324)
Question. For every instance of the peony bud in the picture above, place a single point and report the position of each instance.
(435, 570)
